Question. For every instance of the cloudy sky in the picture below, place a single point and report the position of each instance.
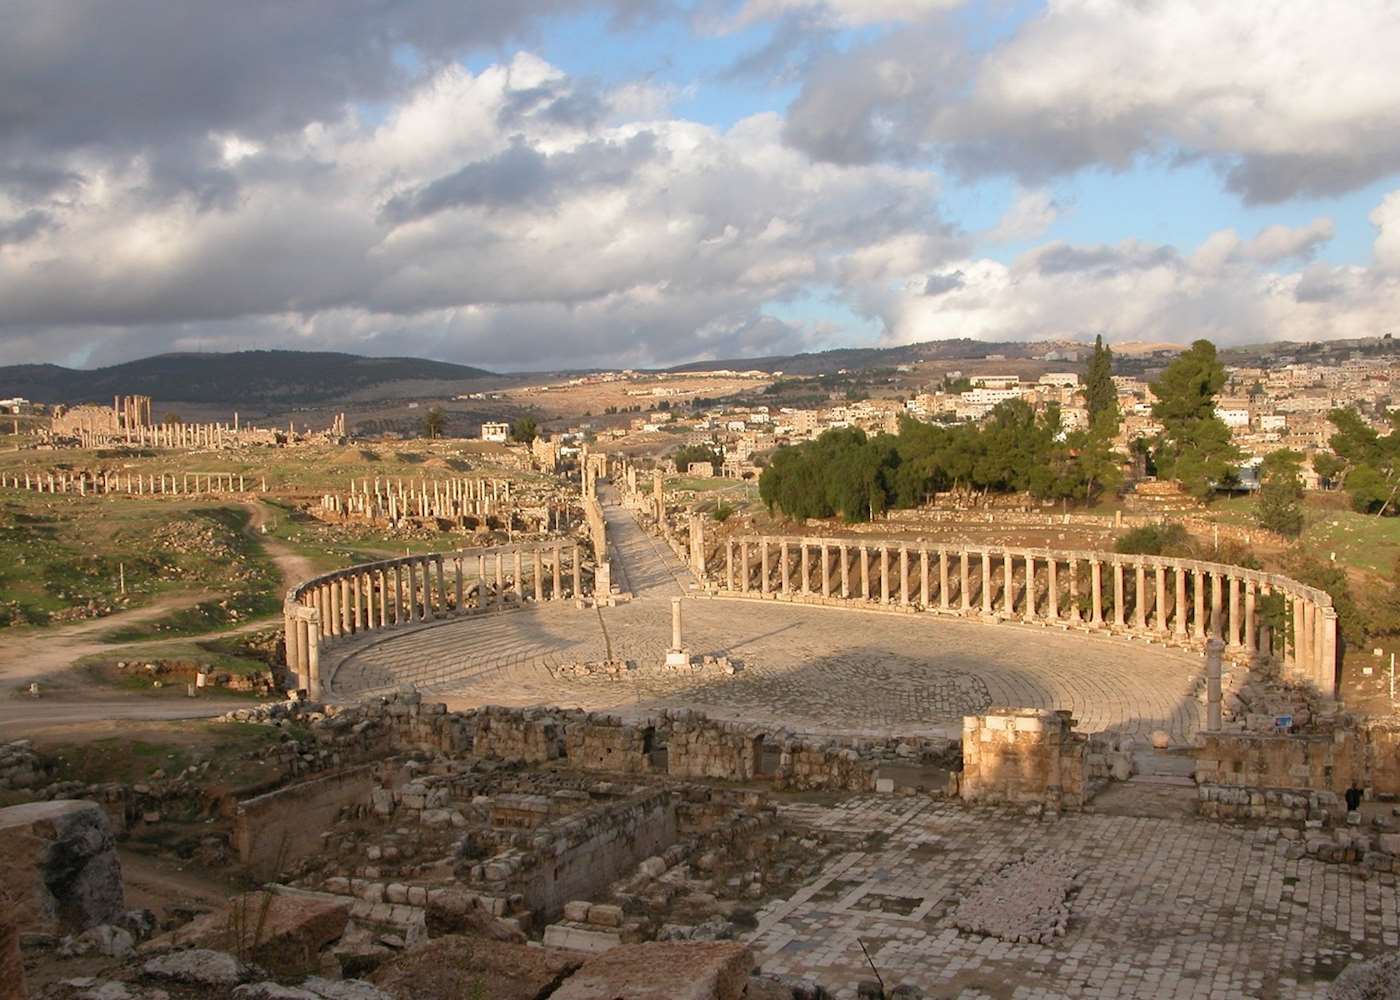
(547, 183)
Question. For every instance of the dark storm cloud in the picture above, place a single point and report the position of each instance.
(23, 227)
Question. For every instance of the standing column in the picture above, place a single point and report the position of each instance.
(744, 568)
(1008, 584)
(556, 570)
(729, 564)
(1119, 595)
(313, 666)
(1318, 644)
(1328, 652)
(358, 605)
(1308, 645)
(964, 579)
(458, 585)
(845, 573)
(904, 575)
(1179, 611)
(1029, 612)
(986, 583)
(1233, 639)
(1198, 595)
(517, 561)
(806, 587)
(411, 570)
(923, 577)
(1217, 603)
(370, 622)
(1250, 640)
(337, 626)
(578, 574)
(538, 565)
(1096, 592)
(763, 566)
(864, 574)
(783, 571)
(442, 587)
(943, 578)
(1159, 613)
(826, 572)
(1074, 613)
(1140, 596)
(1052, 586)
(884, 574)
(398, 593)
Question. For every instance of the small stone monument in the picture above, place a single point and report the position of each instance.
(677, 655)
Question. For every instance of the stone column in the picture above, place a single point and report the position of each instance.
(336, 625)
(518, 565)
(358, 607)
(763, 566)
(1074, 613)
(578, 574)
(943, 578)
(411, 606)
(370, 621)
(963, 580)
(826, 572)
(806, 587)
(538, 564)
(1327, 655)
(1008, 584)
(744, 568)
(1233, 625)
(1140, 596)
(1308, 658)
(441, 587)
(904, 575)
(1179, 610)
(1214, 649)
(1217, 605)
(864, 574)
(556, 571)
(1028, 613)
(1119, 595)
(500, 579)
(986, 583)
(783, 563)
(1052, 586)
(924, 577)
(398, 593)
(1250, 638)
(845, 573)
(1198, 593)
(1096, 592)
(729, 564)
(676, 623)
(1318, 640)
(884, 574)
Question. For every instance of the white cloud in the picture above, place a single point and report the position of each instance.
(1030, 215)
(1284, 98)
(1280, 242)
(1386, 217)
(844, 13)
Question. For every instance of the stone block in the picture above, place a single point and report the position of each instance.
(577, 910)
(59, 861)
(576, 937)
(663, 970)
(605, 915)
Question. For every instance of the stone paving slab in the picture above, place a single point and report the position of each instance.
(1168, 908)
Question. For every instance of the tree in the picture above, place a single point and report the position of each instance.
(171, 419)
(1281, 493)
(1370, 460)
(434, 421)
(524, 430)
(1329, 468)
(1194, 447)
(687, 454)
(1100, 394)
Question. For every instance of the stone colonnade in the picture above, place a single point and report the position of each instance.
(1172, 600)
(130, 484)
(391, 500)
(422, 588)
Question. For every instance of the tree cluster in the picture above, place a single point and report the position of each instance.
(848, 474)
(1194, 447)
(1365, 462)
(687, 454)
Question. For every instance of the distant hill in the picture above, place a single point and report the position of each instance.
(249, 377)
(825, 362)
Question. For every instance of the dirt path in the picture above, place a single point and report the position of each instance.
(50, 653)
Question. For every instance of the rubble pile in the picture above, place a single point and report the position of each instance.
(1027, 901)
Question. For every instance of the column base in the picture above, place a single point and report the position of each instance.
(677, 657)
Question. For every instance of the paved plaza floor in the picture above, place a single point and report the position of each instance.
(1166, 908)
(808, 669)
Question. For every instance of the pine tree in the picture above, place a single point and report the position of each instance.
(1100, 394)
(1281, 493)
(1194, 447)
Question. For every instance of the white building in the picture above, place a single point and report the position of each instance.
(498, 432)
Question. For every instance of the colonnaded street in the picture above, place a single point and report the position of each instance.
(808, 669)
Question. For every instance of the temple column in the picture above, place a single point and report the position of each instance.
(826, 571)
(986, 583)
(783, 562)
(806, 587)
(729, 564)
(763, 566)
(943, 578)
(1140, 596)
(1159, 613)
(1074, 613)
(1217, 613)
(357, 606)
(744, 567)
(1096, 592)
(1198, 593)
(336, 625)
(1250, 638)
(904, 575)
(884, 574)
(924, 577)
(864, 574)
(1028, 613)
(845, 573)
(1008, 584)
(1119, 596)
(1179, 611)
(398, 594)
(538, 564)
(371, 621)
(556, 570)
(313, 668)
(963, 580)
(1233, 639)
(1328, 651)
(1052, 585)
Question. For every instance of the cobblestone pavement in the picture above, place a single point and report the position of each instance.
(1166, 908)
(805, 668)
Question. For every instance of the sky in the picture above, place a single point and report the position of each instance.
(545, 184)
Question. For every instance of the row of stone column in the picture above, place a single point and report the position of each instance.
(393, 506)
(83, 483)
(1170, 598)
(457, 488)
